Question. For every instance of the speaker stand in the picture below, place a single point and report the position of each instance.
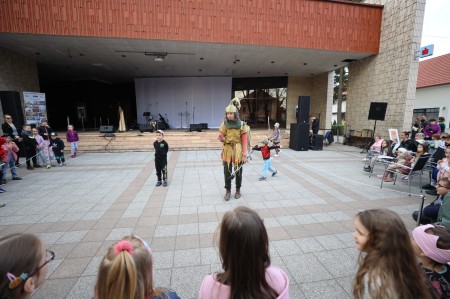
(366, 148)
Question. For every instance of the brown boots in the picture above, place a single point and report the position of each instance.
(237, 195)
(227, 195)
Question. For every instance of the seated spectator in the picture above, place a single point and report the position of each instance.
(443, 217)
(442, 170)
(407, 143)
(430, 213)
(387, 266)
(23, 265)
(126, 271)
(431, 244)
(432, 128)
(403, 159)
(374, 149)
(244, 251)
(386, 151)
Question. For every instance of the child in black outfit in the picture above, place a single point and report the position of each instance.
(161, 149)
(265, 151)
(58, 149)
(30, 145)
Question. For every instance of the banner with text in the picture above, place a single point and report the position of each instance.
(35, 107)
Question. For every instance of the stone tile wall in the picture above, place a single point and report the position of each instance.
(391, 75)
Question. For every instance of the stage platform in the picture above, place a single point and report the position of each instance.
(135, 141)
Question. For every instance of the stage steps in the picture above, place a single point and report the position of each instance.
(135, 141)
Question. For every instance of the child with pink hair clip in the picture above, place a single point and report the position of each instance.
(126, 272)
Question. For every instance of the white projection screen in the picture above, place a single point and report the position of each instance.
(203, 98)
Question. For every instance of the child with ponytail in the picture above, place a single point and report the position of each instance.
(126, 272)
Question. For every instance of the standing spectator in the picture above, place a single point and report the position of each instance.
(423, 121)
(45, 131)
(387, 265)
(41, 149)
(9, 157)
(58, 149)
(442, 123)
(2, 153)
(234, 134)
(12, 131)
(315, 124)
(416, 128)
(161, 149)
(432, 128)
(276, 137)
(72, 137)
(30, 146)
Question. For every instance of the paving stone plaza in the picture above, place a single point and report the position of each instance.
(308, 209)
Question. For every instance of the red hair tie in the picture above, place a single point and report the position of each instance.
(123, 245)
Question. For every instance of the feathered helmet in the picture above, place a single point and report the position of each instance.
(235, 105)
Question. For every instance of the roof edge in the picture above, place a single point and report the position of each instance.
(354, 3)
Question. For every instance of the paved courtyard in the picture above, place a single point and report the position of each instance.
(308, 209)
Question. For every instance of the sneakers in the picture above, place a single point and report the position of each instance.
(2, 190)
(48, 166)
(380, 176)
(2, 205)
(274, 173)
(2, 182)
(73, 156)
(60, 165)
(262, 178)
(159, 183)
(30, 167)
(165, 184)
(16, 178)
(365, 159)
(367, 169)
(427, 187)
(431, 192)
(275, 155)
(405, 178)
(64, 164)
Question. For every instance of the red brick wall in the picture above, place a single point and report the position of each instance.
(317, 24)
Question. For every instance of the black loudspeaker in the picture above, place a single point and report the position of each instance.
(316, 142)
(299, 137)
(12, 105)
(377, 110)
(107, 129)
(204, 125)
(146, 128)
(195, 127)
(303, 109)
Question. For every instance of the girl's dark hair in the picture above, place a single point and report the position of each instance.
(443, 234)
(388, 268)
(244, 251)
(20, 253)
(388, 147)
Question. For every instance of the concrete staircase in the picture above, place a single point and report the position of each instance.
(135, 141)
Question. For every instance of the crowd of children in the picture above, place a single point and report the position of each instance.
(41, 145)
(391, 264)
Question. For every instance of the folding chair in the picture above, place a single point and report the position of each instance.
(416, 170)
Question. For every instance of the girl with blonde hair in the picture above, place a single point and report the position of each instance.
(126, 272)
(387, 266)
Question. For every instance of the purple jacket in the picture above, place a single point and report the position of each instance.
(72, 136)
(429, 130)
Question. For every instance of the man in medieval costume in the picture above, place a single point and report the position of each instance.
(236, 138)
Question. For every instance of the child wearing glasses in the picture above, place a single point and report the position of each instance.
(126, 271)
(430, 213)
(431, 244)
(23, 265)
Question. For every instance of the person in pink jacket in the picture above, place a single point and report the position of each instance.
(9, 158)
(244, 251)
